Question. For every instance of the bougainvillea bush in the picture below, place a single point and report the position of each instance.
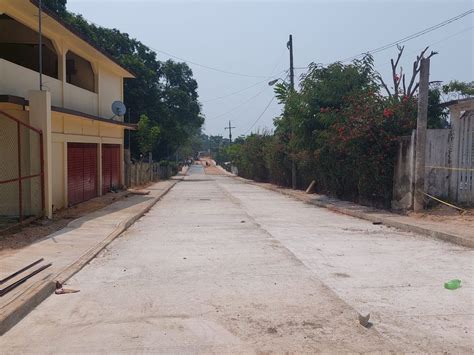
(341, 131)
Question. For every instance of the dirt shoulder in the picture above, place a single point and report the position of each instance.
(23, 235)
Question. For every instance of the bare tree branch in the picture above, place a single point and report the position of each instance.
(404, 86)
(395, 77)
(384, 85)
(414, 90)
(400, 79)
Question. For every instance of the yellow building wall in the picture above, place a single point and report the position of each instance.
(110, 89)
(68, 129)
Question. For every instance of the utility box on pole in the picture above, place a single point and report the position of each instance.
(421, 127)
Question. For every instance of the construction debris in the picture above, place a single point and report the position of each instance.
(364, 320)
(62, 291)
(20, 271)
(311, 187)
(17, 283)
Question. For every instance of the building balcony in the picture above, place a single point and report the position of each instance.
(16, 80)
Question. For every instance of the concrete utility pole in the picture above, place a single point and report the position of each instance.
(230, 132)
(292, 86)
(421, 127)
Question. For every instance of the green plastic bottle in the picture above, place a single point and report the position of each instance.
(452, 284)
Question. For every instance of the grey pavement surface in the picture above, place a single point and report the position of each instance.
(65, 247)
(220, 266)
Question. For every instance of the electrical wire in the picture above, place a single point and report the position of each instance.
(253, 85)
(446, 38)
(234, 93)
(237, 107)
(404, 39)
(207, 66)
(254, 96)
(261, 115)
(412, 36)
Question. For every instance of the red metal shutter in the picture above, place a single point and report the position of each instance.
(82, 172)
(75, 161)
(110, 167)
(90, 171)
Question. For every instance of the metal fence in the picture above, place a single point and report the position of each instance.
(21, 171)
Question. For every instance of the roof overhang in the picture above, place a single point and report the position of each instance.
(469, 101)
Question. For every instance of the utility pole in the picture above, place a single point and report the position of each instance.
(40, 40)
(421, 127)
(230, 132)
(292, 88)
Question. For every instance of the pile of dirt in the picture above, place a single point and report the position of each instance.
(446, 214)
(210, 167)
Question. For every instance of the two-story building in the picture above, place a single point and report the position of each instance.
(61, 144)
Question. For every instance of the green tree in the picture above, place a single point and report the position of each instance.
(58, 6)
(459, 89)
(148, 134)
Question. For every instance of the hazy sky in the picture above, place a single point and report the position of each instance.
(249, 38)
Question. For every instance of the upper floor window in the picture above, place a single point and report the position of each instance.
(79, 72)
(19, 44)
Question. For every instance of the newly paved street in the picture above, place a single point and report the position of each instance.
(226, 267)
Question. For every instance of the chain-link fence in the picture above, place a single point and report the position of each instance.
(21, 171)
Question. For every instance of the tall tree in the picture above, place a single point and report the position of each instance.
(58, 6)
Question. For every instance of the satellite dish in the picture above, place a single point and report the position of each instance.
(118, 108)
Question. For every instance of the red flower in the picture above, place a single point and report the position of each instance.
(387, 112)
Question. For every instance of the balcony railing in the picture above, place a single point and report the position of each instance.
(16, 80)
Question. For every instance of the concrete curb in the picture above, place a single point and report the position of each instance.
(388, 221)
(17, 309)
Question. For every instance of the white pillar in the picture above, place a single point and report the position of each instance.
(40, 117)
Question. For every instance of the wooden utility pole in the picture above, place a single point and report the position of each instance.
(230, 132)
(292, 86)
(421, 127)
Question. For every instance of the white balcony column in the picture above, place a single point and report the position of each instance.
(40, 117)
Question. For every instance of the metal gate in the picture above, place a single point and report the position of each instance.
(21, 171)
(81, 172)
(110, 167)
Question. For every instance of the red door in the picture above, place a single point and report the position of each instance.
(82, 172)
(110, 167)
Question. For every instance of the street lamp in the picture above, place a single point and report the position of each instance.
(274, 81)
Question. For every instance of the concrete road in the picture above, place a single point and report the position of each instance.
(219, 266)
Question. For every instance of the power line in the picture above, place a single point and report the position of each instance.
(207, 66)
(449, 37)
(413, 36)
(265, 110)
(261, 115)
(406, 38)
(253, 85)
(238, 106)
(234, 93)
(254, 96)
